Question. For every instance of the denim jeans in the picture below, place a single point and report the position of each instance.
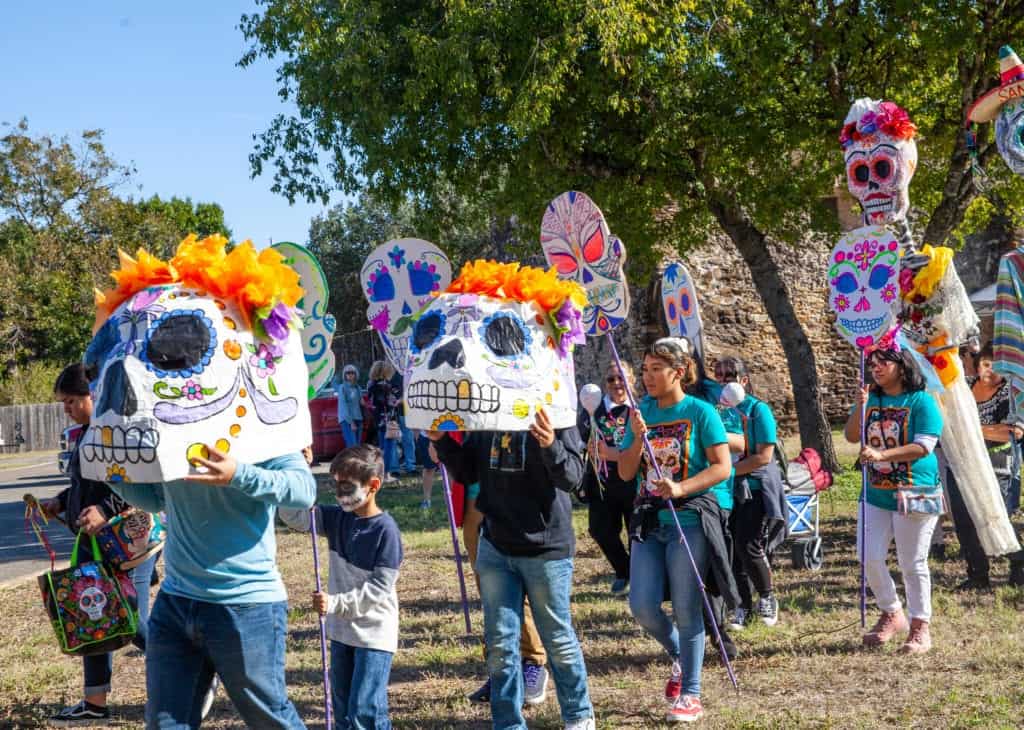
(504, 580)
(389, 447)
(98, 668)
(351, 432)
(408, 446)
(359, 687)
(660, 554)
(190, 640)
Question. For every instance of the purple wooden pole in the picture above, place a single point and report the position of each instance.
(455, 546)
(323, 628)
(863, 501)
(679, 528)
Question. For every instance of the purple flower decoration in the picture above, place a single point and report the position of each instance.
(277, 322)
(192, 390)
(568, 324)
(263, 361)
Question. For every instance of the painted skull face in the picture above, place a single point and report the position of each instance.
(576, 241)
(479, 363)
(679, 300)
(399, 278)
(1010, 135)
(176, 369)
(666, 452)
(93, 601)
(881, 157)
(864, 284)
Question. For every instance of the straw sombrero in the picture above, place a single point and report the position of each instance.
(1011, 73)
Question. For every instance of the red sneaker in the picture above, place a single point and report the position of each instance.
(686, 709)
(674, 685)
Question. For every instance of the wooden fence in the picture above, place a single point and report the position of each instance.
(32, 427)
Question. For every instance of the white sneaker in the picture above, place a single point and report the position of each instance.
(587, 723)
(211, 693)
(738, 620)
(768, 610)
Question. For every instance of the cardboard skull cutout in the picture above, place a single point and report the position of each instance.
(212, 357)
(863, 279)
(1005, 105)
(495, 348)
(399, 277)
(679, 300)
(317, 323)
(576, 241)
(881, 156)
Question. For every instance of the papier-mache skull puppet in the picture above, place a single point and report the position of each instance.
(863, 284)
(880, 154)
(200, 350)
(577, 242)
(493, 349)
(679, 301)
(1005, 105)
(399, 278)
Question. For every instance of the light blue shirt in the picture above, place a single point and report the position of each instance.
(220, 540)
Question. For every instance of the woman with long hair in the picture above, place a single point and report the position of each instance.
(903, 425)
(384, 403)
(691, 448)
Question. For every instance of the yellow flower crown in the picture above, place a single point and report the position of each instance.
(256, 281)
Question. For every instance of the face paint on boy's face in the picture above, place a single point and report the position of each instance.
(350, 495)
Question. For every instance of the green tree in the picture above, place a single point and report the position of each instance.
(678, 117)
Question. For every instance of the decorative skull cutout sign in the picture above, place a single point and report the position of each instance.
(495, 348)
(881, 156)
(317, 323)
(1005, 105)
(203, 350)
(399, 278)
(576, 241)
(863, 278)
(679, 300)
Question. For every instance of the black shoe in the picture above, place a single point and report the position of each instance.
(974, 584)
(80, 714)
(154, 579)
(1016, 574)
(730, 647)
(483, 694)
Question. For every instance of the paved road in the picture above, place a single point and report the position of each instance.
(21, 556)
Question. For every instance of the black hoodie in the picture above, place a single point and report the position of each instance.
(524, 489)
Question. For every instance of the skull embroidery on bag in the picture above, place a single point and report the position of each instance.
(92, 602)
(488, 363)
(863, 279)
(881, 156)
(399, 278)
(177, 368)
(576, 241)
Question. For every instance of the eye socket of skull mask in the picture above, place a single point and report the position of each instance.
(505, 335)
(427, 330)
(180, 343)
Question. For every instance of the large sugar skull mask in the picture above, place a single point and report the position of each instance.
(1010, 134)
(1005, 105)
(577, 242)
(863, 279)
(176, 370)
(399, 278)
(880, 156)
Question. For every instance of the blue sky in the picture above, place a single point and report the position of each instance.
(160, 79)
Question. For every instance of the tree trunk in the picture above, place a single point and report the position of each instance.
(815, 430)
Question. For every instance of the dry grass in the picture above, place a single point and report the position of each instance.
(808, 672)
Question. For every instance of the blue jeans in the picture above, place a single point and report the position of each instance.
(649, 562)
(389, 447)
(359, 687)
(98, 668)
(189, 640)
(503, 582)
(408, 446)
(352, 432)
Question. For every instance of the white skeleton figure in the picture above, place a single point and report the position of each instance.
(881, 156)
(92, 601)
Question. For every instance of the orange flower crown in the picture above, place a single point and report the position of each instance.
(518, 283)
(258, 281)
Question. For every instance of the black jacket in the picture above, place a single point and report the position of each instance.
(524, 489)
(86, 493)
(610, 427)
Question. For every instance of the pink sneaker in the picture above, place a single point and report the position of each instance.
(888, 625)
(920, 640)
(674, 685)
(686, 709)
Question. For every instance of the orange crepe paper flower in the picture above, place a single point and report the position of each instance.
(518, 283)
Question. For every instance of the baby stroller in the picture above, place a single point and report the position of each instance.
(804, 479)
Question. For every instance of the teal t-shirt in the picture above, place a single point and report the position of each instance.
(733, 424)
(893, 421)
(758, 429)
(678, 435)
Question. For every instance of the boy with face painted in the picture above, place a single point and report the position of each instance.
(361, 603)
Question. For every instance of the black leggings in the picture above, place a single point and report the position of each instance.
(609, 511)
(749, 561)
(970, 545)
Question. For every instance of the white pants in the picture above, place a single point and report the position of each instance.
(913, 535)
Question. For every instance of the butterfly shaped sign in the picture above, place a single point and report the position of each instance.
(679, 300)
(317, 323)
(400, 277)
(577, 242)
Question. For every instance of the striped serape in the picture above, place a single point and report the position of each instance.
(1008, 340)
